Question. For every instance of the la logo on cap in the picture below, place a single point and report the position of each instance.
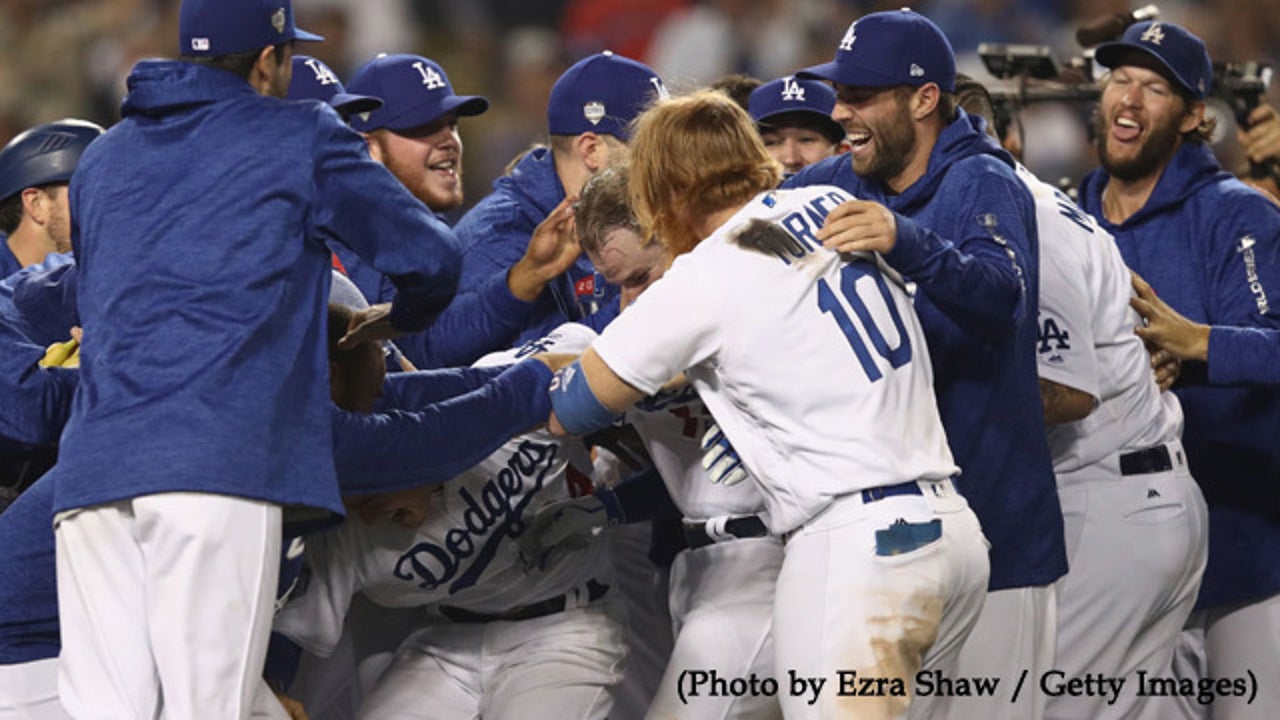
(594, 112)
(277, 20)
(1153, 34)
(430, 77)
(791, 90)
(849, 37)
(324, 75)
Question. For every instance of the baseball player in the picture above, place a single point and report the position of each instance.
(794, 120)
(35, 168)
(816, 369)
(415, 135)
(202, 401)
(588, 113)
(721, 588)
(1122, 472)
(493, 640)
(1209, 245)
(961, 226)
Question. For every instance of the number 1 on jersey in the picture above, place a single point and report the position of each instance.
(827, 303)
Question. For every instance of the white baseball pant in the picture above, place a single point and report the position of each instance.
(722, 615)
(556, 667)
(165, 604)
(842, 607)
(1137, 546)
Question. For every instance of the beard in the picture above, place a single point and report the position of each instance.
(894, 142)
(1156, 149)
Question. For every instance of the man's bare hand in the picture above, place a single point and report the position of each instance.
(860, 226)
(371, 324)
(1166, 329)
(1261, 141)
(551, 251)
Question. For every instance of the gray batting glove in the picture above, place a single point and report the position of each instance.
(719, 459)
(561, 528)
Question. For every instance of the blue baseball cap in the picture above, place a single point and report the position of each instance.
(602, 94)
(784, 96)
(884, 49)
(415, 91)
(313, 80)
(1174, 49)
(211, 28)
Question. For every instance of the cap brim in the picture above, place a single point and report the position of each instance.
(462, 105)
(1110, 54)
(303, 36)
(832, 129)
(826, 71)
(350, 104)
(847, 74)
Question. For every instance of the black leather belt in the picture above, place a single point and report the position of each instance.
(542, 608)
(1143, 462)
(910, 487)
(749, 526)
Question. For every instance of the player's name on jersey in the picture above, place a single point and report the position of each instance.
(696, 684)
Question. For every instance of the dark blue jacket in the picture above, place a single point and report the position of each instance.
(39, 301)
(200, 224)
(495, 234)
(482, 319)
(1210, 245)
(967, 237)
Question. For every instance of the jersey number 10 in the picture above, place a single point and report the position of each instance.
(827, 303)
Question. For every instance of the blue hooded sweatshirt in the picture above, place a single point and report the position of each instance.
(200, 224)
(1210, 246)
(495, 234)
(967, 238)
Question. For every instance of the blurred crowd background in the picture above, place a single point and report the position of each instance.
(69, 58)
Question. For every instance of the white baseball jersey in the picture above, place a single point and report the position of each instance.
(465, 554)
(1087, 340)
(814, 366)
(671, 424)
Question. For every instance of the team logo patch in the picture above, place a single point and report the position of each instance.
(278, 19)
(1153, 34)
(430, 77)
(324, 75)
(594, 112)
(916, 70)
(200, 44)
(849, 38)
(791, 90)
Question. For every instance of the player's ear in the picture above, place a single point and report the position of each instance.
(375, 148)
(592, 150)
(924, 101)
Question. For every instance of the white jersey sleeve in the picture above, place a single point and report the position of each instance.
(1065, 347)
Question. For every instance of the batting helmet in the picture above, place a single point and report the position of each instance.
(43, 155)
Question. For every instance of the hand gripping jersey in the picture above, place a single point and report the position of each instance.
(791, 350)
